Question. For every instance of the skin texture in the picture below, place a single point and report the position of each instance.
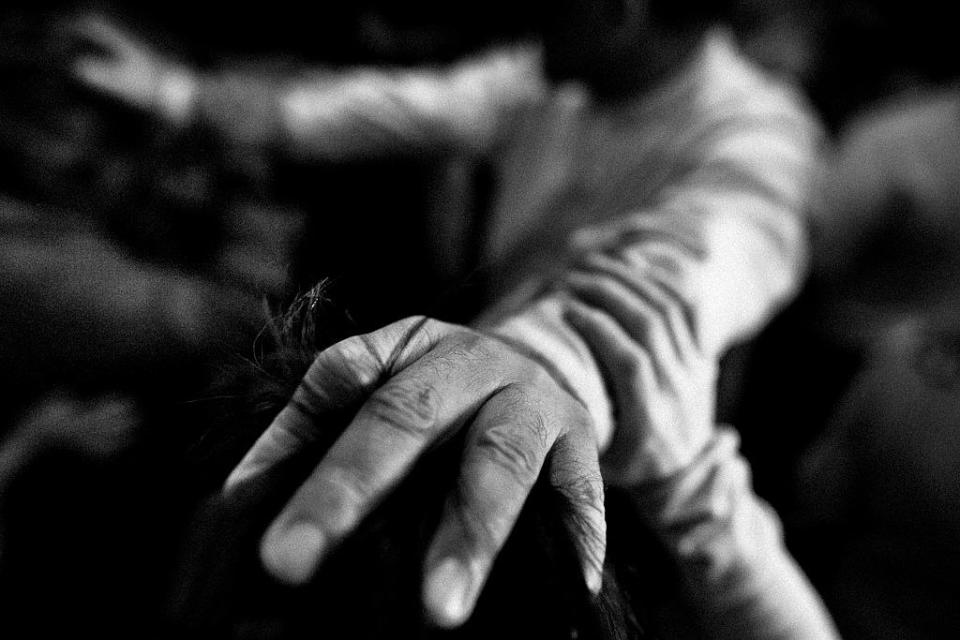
(417, 382)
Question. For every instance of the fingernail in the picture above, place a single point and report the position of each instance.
(447, 590)
(291, 553)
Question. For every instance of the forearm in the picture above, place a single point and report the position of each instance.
(366, 112)
(728, 547)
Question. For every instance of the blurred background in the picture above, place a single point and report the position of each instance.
(137, 253)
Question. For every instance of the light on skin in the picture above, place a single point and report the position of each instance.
(448, 592)
(291, 555)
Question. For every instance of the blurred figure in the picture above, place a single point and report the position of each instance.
(883, 75)
(887, 240)
(878, 488)
(109, 224)
(77, 307)
(878, 491)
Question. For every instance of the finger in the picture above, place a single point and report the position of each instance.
(506, 449)
(666, 270)
(396, 425)
(635, 314)
(628, 366)
(669, 303)
(339, 378)
(98, 74)
(575, 472)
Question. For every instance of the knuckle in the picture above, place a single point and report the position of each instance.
(357, 361)
(411, 409)
(527, 418)
(416, 322)
(511, 449)
(534, 381)
(471, 345)
(421, 329)
(515, 396)
(412, 328)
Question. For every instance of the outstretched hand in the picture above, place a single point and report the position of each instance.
(417, 381)
(127, 69)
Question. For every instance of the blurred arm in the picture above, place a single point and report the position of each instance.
(729, 548)
(369, 111)
(323, 114)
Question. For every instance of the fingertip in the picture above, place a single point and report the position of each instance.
(232, 482)
(241, 474)
(448, 593)
(593, 576)
(291, 552)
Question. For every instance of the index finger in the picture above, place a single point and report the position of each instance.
(340, 377)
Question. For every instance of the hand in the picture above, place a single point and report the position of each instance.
(663, 384)
(420, 380)
(130, 71)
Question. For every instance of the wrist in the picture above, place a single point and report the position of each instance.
(696, 503)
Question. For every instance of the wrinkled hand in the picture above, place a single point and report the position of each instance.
(642, 334)
(419, 380)
(131, 71)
